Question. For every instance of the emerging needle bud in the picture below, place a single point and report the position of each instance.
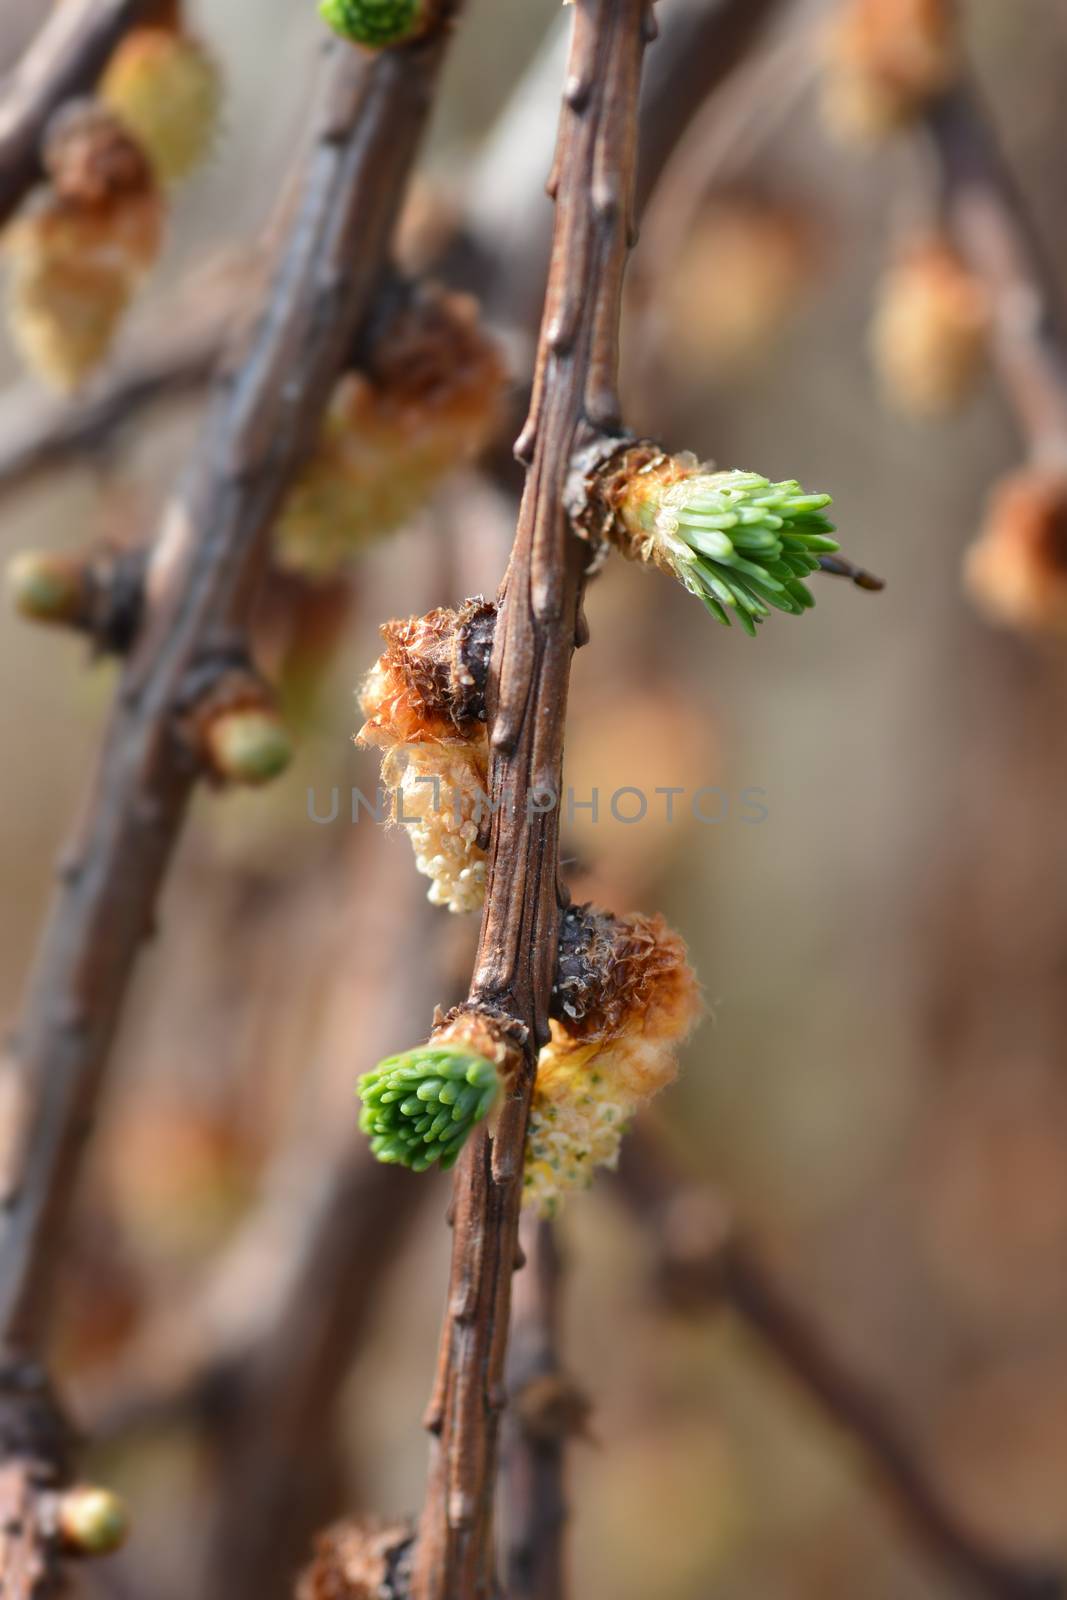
(419, 1108)
(248, 745)
(741, 544)
(46, 587)
(375, 23)
(91, 1522)
(99, 592)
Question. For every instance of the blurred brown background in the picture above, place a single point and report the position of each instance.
(880, 1086)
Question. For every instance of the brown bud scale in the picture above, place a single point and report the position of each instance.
(356, 1561)
(429, 683)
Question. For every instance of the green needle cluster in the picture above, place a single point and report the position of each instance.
(419, 1107)
(371, 22)
(743, 544)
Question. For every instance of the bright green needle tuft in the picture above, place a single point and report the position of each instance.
(419, 1107)
(744, 545)
(371, 22)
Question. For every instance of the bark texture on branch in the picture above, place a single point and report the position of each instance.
(575, 403)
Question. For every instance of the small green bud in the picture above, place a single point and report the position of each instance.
(248, 745)
(372, 22)
(421, 1106)
(743, 544)
(91, 1522)
(45, 587)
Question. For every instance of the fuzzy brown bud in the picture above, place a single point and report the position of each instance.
(81, 245)
(429, 682)
(1016, 573)
(355, 1561)
(424, 703)
(168, 91)
(886, 59)
(552, 1407)
(426, 400)
(91, 158)
(739, 277)
(625, 999)
(930, 333)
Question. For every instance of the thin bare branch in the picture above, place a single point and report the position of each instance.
(342, 1219)
(39, 432)
(704, 1261)
(986, 213)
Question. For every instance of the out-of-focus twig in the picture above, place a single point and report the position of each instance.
(703, 1261)
(38, 432)
(64, 60)
(724, 137)
(575, 404)
(345, 1218)
(985, 212)
(203, 578)
(544, 1410)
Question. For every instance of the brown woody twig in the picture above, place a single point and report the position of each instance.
(39, 432)
(203, 577)
(575, 403)
(705, 1261)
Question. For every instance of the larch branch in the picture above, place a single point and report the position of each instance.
(203, 576)
(575, 404)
